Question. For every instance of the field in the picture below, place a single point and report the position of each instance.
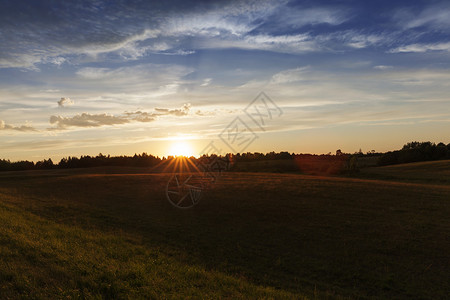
(422, 172)
(110, 233)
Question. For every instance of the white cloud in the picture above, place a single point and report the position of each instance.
(363, 41)
(264, 39)
(206, 82)
(422, 48)
(56, 60)
(178, 52)
(22, 60)
(230, 26)
(436, 16)
(126, 47)
(355, 39)
(209, 24)
(298, 17)
(235, 18)
(291, 75)
(65, 102)
(383, 67)
(298, 43)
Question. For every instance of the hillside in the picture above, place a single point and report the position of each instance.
(254, 235)
(437, 172)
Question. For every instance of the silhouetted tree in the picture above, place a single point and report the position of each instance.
(414, 152)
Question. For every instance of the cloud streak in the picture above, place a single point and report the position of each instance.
(270, 25)
(422, 48)
(21, 128)
(87, 120)
(436, 16)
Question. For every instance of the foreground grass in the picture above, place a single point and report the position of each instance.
(43, 259)
(82, 234)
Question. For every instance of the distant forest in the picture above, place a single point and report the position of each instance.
(274, 162)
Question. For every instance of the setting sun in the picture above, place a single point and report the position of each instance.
(181, 148)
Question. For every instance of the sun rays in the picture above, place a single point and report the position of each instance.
(180, 159)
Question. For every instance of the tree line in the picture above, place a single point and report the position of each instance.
(411, 152)
(415, 152)
(85, 161)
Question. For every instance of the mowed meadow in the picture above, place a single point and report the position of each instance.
(110, 233)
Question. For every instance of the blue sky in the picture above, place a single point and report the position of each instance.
(121, 77)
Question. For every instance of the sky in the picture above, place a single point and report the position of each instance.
(124, 77)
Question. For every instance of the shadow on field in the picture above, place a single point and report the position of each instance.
(345, 237)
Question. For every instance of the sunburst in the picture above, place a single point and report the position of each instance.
(181, 148)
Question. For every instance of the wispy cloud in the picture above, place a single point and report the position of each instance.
(232, 24)
(383, 67)
(436, 16)
(149, 73)
(183, 111)
(363, 41)
(294, 17)
(422, 48)
(144, 81)
(26, 42)
(282, 43)
(278, 26)
(296, 43)
(22, 128)
(206, 82)
(87, 120)
(291, 75)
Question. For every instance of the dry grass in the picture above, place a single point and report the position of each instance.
(85, 233)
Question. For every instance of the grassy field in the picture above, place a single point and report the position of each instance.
(110, 233)
(433, 172)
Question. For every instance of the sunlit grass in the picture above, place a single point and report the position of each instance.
(43, 258)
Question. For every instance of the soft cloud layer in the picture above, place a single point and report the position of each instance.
(423, 48)
(88, 120)
(437, 15)
(383, 67)
(183, 111)
(133, 33)
(290, 75)
(22, 128)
